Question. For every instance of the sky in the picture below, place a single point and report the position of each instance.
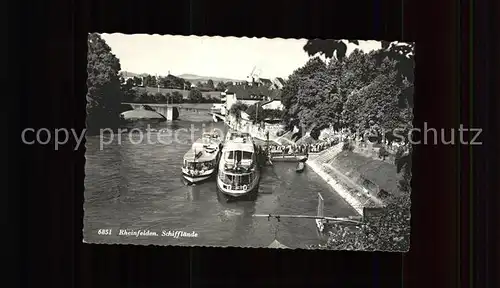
(224, 57)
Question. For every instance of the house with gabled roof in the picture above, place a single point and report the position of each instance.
(246, 94)
(278, 83)
(265, 82)
(250, 95)
(273, 102)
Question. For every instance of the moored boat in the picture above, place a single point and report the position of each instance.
(279, 157)
(200, 162)
(239, 173)
(300, 167)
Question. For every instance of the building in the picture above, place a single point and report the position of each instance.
(250, 95)
(275, 83)
(245, 94)
(278, 83)
(273, 104)
(265, 82)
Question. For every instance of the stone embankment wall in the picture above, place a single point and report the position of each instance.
(357, 176)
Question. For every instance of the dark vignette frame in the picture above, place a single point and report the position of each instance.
(47, 191)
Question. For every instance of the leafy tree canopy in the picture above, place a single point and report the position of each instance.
(389, 231)
(236, 110)
(104, 94)
(195, 96)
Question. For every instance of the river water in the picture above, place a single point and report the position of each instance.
(138, 186)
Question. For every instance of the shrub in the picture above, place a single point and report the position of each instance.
(390, 231)
(382, 153)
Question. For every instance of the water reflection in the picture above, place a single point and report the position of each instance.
(227, 200)
(192, 192)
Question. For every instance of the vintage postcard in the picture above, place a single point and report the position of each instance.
(248, 142)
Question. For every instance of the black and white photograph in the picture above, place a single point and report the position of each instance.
(248, 142)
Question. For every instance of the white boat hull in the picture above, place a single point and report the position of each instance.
(198, 178)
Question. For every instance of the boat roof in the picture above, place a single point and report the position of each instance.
(238, 146)
(189, 156)
(237, 134)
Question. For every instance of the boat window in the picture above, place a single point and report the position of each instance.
(200, 165)
(245, 155)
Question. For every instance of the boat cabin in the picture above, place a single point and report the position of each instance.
(202, 156)
(238, 154)
(200, 161)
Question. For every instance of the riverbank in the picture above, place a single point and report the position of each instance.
(361, 180)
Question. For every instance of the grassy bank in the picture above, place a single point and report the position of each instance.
(358, 178)
(372, 174)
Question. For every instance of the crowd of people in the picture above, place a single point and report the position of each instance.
(303, 149)
(199, 168)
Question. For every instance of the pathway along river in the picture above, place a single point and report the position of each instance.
(139, 187)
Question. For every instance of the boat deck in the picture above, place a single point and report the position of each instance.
(205, 156)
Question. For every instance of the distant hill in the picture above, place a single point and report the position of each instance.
(196, 78)
(189, 77)
(130, 74)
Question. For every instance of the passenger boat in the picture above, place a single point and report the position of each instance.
(239, 172)
(200, 162)
(280, 157)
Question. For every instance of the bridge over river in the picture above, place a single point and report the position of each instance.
(167, 109)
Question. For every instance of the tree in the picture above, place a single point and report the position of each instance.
(327, 47)
(403, 53)
(236, 110)
(128, 91)
(375, 104)
(177, 97)
(158, 98)
(104, 93)
(149, 81)
(220, 86)
(255, 115)
(166, 98)
(290, 90)
(210, 85)
(195, 96)
(137, 81)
